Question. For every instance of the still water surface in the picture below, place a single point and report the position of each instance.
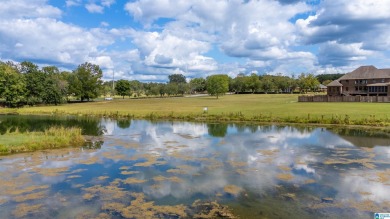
(142, 169)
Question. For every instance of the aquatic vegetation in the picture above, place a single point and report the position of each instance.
(50, 171)
(25, 209)
(174, 179)
(289, 196)
(140, 208)
(268, 152)
(232, 189)
(88, 196)
(74, 176)
(284, 168)
(384, 176)
(365, 205)
(3, 200)
(129, 172)
(31, 196)
(181, 169)
(366, 162)
(106, 193)
(309, 181)
(211, 210)
(133, 181)
(114, 155)
(285, 176)
(89, 161)
(151, 160)
(236, 164)
(125, 168)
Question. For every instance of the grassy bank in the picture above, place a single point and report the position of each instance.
(276, 108)
(55, 137)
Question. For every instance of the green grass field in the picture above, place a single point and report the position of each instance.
(251, 107)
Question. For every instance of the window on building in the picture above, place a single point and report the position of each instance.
(346, 88)
(383, 80)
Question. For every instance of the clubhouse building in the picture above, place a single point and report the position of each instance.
(363, 81)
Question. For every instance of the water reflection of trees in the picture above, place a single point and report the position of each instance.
(241, 127)
(217, 129)
(123, 123)
(363, 137)
(93, 144)
(360, 132)
(89, 126)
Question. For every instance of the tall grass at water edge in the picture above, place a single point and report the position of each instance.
(54, 137)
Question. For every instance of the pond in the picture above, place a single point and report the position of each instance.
(143, 169)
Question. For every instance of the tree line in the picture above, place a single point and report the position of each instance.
(217, 85)
(27, 84)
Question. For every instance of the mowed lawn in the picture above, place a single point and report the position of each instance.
(249, 105)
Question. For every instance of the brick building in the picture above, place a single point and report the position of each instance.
(363, 81)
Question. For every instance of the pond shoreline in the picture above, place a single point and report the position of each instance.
(222, 118)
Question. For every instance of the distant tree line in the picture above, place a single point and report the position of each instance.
(327, 78)
(217, 85)
(27, 84)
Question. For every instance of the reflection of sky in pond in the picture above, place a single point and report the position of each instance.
(310, 169)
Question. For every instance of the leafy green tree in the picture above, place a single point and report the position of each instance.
(161, 89)
(266, 83)
(252, 82)
(107, 88)
(239, 84)
(136, 87)
(171, 89)
(217, 85)
(122, 87)
(154, 89)
(198, 85)
(307, 83)
(75, 86)
(326, 82)
(177, 78)
(88, 83)
(282, 83)
(12, 85)
(55, 86)
(182, 88)
(35, 82)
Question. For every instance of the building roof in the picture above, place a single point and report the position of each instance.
(366, 72)
(335, 83)
(321, 86)
(378, 85)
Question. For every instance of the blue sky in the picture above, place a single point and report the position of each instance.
(147, 40)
